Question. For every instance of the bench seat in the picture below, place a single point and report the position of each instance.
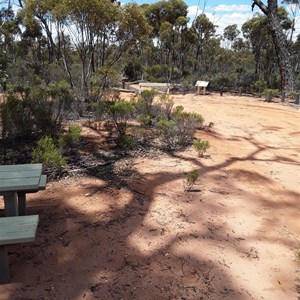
(15, 230)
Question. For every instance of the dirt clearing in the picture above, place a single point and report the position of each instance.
(141, 236)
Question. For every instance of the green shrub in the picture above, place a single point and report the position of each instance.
(259, 86)
(125, 141)
(72, 137)
(294, 94)
(100, 109)
(16, 118)
(269, 94)
(141, 134)
(179, 130)
(39, 109)
(121, 112)
(144, 107)
(49, 105)
(167, 133)
(148, 96)
(145, 120)
(153, 72)
(47, 153)
(201, 147)
(166, 102)
(190, 180)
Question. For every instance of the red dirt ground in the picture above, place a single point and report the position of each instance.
(235, 236)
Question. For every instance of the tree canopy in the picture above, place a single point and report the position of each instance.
(92, 44)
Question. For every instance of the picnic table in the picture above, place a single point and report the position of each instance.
(16, 181)
(15, 230)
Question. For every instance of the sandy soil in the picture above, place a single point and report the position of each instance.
(234, 236)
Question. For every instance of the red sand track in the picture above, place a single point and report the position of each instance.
(234, 237)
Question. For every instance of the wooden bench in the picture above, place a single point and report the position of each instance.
(22, 195)
(15, 230)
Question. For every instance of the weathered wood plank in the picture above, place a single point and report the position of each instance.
(43, 182)
(153, 84)
(15, 230)
(19, 174)
(21, 167)
(19, 184)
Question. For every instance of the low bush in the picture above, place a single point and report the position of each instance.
(166, 103)
(269, 94)
(201, 147)
(16, 118)
(125, 141)
(36, 110)
(179, 130)
(120, 112)
(259, 86)
(144, 107)
(47, 153)
(190, 180)
(72, 137)
(99, 109)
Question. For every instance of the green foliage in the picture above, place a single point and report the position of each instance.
(154, 73)
(178, 131)
(49, 105)
(293, 94)
(120, 112)
(259, 86)
(166, 102)
(201, 147)
(39, 109)
(148, 96)
(71, 138)
(16, 118)
(145, 119)
(144, 106)
(190, 180)
(47, 153)
(99, 41)
(125, 141)
(100, 109)
(269, 94)
(167, 132)
(149, 113)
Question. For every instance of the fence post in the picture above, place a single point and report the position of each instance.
(283, 96)
(297, 100)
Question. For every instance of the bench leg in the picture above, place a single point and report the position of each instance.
(4, 267)
(22, 204)
(10, 202)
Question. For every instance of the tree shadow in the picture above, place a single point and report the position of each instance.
(149, 245)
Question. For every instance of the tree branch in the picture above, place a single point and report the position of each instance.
(261, 5)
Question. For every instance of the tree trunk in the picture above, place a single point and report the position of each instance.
(280, 43)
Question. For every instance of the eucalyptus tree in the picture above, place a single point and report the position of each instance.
(230, 34)
(99, 31)
(296, 61)
(203, 30)
(41, 11)
(256, 32)
(9, 32)
(87, 26)
(280, 42)
(294, 7)
(168, 19)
